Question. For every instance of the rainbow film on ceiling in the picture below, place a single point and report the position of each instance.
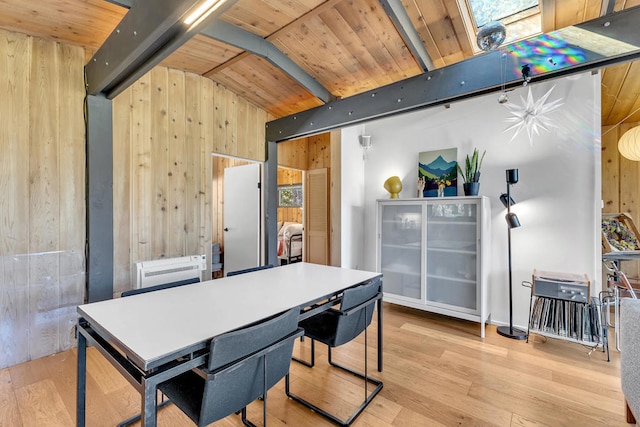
(546, 52)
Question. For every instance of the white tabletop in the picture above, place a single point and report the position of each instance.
(153, 325)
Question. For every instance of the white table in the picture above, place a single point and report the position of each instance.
(145, 335)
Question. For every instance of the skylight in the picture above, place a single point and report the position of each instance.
(521, 17)
(485, 11)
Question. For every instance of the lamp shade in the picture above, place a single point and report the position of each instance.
(507, 200)
(629, 144)
(394, 186)
(512, 220)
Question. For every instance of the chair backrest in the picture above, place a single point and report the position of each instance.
(159, 287)
(356, 311)
(237, 364)
(249, 270)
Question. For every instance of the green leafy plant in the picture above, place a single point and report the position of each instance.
(472, 166)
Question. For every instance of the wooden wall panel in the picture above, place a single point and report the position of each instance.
(620, 183)
(294, 154)
(176, 121)
(14, 203)
(42, 220)
(289, 177)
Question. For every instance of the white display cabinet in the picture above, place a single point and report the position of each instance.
(433, 254)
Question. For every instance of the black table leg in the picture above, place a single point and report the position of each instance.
(380, 335)
(81, 391)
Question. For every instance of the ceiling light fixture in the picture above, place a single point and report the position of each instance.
(532, 116)
(629, 144)
(203, 11)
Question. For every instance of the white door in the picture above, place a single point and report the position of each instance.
(241, 217)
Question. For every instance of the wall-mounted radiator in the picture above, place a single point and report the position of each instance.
(167, 270)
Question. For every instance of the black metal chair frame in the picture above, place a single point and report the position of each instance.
(364, 376)
(249, 270)
(211, 375)
(163, 402)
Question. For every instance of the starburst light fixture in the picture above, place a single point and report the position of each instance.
(532, 116)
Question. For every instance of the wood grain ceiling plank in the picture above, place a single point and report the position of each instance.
(423, 31)
(611, 83)
(437, 22)
(627, 98)
(362, 17)
(79, 23)
(365, 71)
(263, 84)
(331, 55)
(378, 20)
(464, 39)
(548, 15)
(270, 17)
(569, 12)
(200, 54)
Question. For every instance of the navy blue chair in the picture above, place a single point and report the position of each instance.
(243, 365)
(159, 287)
(334, 328)
(249, 270)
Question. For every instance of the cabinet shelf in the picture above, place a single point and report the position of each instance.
(452, 279)
(452, 251)
(410, 246)
(451, 222)
(443, 272)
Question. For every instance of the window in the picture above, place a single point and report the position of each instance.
(485, 11)
(290, 196)
(521, 17)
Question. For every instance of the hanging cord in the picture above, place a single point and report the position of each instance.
(621, 121)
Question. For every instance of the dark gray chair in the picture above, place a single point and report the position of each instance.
(337, 327)
(163, 402)
(159, 287)
(249, 270)
(242, 366)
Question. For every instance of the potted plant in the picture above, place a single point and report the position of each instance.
(471, 174)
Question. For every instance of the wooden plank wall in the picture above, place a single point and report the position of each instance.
(289, 177)
(620, 183)
(166, 127)
(42, 209)
(318, 152)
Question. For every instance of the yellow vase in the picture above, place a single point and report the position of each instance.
(394, 186)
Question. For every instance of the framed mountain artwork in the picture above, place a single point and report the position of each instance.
(438, 169)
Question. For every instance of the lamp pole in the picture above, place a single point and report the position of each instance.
(512, 222)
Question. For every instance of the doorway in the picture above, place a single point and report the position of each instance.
(236, 213)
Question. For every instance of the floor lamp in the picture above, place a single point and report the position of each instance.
(512, 222)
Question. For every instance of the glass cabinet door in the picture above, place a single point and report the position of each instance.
(401, 229)
(452, 246)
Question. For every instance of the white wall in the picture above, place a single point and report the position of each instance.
(558, 195)
(352, 191)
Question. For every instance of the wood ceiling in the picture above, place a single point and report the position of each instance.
(348, 46)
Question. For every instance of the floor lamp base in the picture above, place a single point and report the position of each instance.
(513, 333)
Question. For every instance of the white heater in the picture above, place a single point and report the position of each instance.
(168, 270)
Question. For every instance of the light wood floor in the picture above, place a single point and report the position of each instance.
(437, 371)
